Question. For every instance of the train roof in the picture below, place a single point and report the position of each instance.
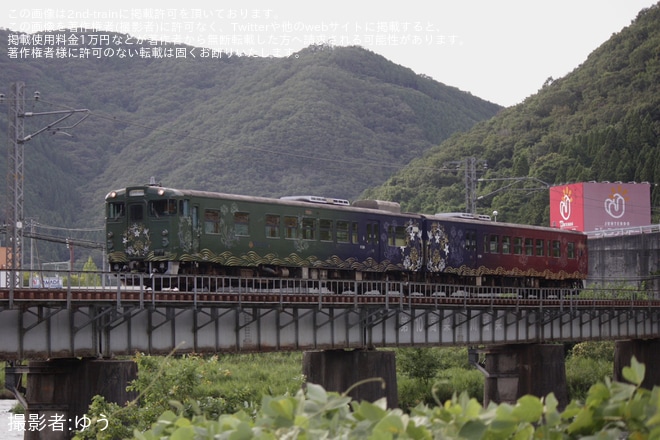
(373, 206)
(486, 220)
(383, 207)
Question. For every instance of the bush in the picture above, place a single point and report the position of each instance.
(582, 373)
(612, 410)
(207, 386)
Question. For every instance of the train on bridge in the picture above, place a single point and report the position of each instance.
(152, 229)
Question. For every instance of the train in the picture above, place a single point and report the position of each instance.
(151, 229)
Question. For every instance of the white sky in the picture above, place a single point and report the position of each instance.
(498, 50)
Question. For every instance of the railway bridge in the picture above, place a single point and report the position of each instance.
(71, 333)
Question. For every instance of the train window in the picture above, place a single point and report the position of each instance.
(400, 236)
(354, 234)
(158, 208)
(308, 228)
(396, 236)
(570, 250)
(540, 247)
(272, 226)
(195, 217)
(136, 212)
(556, 248)
(342, 232)
(494, 244)
(184, 208)
(325, 230)
(506, 245)
(242, 223)
(171, 207)
(529, 246)
(115, 211)
(517, 245)
(291, 228)
(212, 221)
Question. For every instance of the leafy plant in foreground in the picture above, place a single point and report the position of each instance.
(611, 410)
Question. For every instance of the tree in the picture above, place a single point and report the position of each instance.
(90, 275)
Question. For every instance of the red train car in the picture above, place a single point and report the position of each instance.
(476, 251)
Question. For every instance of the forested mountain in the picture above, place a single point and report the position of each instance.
(600, 122)
(326, 121)
(331, 121)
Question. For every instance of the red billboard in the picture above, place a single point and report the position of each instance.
(599, 206)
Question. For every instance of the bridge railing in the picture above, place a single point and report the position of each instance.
(281, 288)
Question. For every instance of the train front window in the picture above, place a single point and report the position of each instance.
(162, 208)
(116, 211)
(136, 212)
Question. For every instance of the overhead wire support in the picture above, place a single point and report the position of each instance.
(15, 176)
(470, 164)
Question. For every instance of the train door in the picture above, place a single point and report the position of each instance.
(372, 239)
(195, 228)
(188, 226)
(136, 212)
(470, 248)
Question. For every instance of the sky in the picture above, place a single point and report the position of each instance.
(499, 50)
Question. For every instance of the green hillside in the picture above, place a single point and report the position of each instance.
(327, 121)
(600, 122)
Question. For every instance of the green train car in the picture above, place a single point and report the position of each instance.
(152, 229)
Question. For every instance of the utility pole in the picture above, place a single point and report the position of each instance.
(15, 180)
(15, 177)
(470, 164)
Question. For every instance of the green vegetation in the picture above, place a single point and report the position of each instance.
(610, 410)
(600, 122)
(204, 385)
(327, 121)
(209, 387)
(341, 122)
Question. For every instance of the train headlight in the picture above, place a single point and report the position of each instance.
(165, 233)
(161, 191)
(110, 234)
(165, 242)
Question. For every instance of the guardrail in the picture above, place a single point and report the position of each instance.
(624, 231)
(218, 286)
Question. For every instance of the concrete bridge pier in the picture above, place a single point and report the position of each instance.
(646, 351)
(513, 371)
(339, 370)
(58, 392)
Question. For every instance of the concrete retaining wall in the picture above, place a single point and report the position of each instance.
(626, 258)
